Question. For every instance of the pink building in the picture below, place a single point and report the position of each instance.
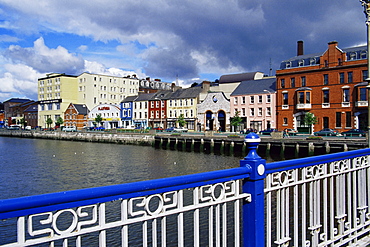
(255, 102)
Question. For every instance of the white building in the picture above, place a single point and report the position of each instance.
(110, 115)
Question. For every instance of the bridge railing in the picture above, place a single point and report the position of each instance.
(319, 201)
(315, 201)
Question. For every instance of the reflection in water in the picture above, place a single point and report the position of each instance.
(37, 166)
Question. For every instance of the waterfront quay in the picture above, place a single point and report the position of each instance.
(208, 142)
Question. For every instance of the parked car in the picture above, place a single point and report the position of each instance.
(175, 129)
(14, 127)
(129, 127)
(267, 131)
(354, 132)
(69, 129)
(292, 132)
(158, 128)
(326, 132)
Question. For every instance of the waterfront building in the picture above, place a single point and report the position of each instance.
(141, 108)
(11, 112)
(254, 100)
(158, 108)
(55, 93)
(2, 119)
(31, 115)
(149, 86)
(110, 115)
(183, 102)
(16, 113)
(76, 115)
(213, 113)
(127, 110)
(94, 89)
(330, 84)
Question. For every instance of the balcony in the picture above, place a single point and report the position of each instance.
(303, 106)
(361, 103)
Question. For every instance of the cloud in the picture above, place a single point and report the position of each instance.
(44, 59)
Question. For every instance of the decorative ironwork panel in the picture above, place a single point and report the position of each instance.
(320, 205)
(199, 216)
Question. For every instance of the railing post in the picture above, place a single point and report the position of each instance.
(253, 211)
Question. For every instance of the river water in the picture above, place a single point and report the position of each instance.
(38, 166)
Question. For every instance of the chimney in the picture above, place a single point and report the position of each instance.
(299, 48)
(206, 86)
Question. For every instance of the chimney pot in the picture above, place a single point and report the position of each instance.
(299, 48)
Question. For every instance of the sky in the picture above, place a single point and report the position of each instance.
(188, 41)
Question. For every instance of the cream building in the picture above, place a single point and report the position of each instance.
(94, 89)
(55, 93)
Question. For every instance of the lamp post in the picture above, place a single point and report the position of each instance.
(366, 5)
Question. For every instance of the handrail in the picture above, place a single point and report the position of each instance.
(314, 160)
(16, 207)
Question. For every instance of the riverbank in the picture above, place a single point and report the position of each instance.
(217, 143)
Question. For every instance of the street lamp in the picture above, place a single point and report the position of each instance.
(366, 5)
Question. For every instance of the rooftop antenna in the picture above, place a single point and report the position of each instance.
(270, 68)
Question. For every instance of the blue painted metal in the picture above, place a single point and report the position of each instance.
(253, 212)
(43, 203)
(315, 160)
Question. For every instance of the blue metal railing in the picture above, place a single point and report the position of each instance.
(315, 201)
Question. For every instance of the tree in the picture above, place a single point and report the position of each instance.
(236, 120)
(49, 121)
(310, 119)
(23, 122)
(98, 119)
(181, 120)
(59, 121)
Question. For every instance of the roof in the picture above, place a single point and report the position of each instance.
(129, 98)
(17, 100)
(81, 109)
(163, 94)
(186, 93)
(267, 85)
(240, 77)
(352, 53)
(32, 108)
(144, 96)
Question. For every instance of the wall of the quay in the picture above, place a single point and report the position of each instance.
(276, 149)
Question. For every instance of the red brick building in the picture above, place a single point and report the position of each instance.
(76, 115)
(330, 84)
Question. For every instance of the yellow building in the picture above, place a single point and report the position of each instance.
(55, 93)
(94, 89)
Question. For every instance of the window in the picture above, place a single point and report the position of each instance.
(303, 81)
(341, 78)
(364, 75)
(243, 112)
(285, 121)
(325, 122)
(325, 96)
(300, 97)
(259, 98)
(350, 77)
(252, 112)
(338, 119)
(259, 111)
(243, 100)
(268, 111)
(292, 82)
(346, 97)
(326, 79)
(268, 98)
(363, 94)
(235, 100)
(308, 97)
(348, 119)
(252, 99)
(282, 83)
(285, 98)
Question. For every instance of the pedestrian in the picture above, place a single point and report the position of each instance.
(285, 133)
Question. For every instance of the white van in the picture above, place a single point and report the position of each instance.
(69, 128)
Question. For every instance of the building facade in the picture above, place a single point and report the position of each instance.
(254, 102)
(76, 115)
(110, 116)
(331, 85)
(127, 111)
(55, 93)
